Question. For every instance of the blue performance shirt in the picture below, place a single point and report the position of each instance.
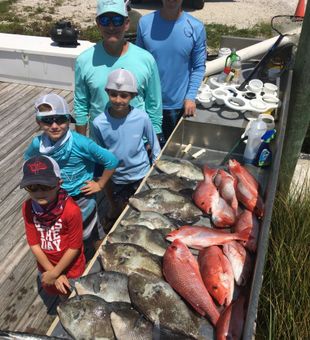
(91, 72)
(124, 137)
(179, 48)
(76, 159)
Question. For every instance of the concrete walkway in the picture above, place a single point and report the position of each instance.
(301, 176)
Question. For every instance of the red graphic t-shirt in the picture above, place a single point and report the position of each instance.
(66, 233)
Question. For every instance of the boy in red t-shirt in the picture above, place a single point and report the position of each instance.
(54, 225)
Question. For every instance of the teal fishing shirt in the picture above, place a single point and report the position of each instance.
(76, 159)
(91, 72)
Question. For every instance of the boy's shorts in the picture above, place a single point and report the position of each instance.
(92, 228)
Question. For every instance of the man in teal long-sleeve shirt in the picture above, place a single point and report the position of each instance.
(95, 64)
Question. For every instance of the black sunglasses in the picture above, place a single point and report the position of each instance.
(58, 119)
(116, 20)
(38, 187)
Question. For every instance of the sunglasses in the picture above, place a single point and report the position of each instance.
(116, 20)
(123, 95)
(38, 187)
(58, 119)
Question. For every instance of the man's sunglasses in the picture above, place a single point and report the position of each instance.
(116, 20)
(38, 187)
(58, 119)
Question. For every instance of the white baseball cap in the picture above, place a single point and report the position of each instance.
(122, 80)
(57, 103)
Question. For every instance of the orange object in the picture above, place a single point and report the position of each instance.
(300, 9)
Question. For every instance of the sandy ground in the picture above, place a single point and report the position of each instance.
(242, 13)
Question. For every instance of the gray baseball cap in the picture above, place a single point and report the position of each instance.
(122, 80)
(57, 103)
(40, 170)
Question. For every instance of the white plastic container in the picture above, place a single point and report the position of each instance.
(257, 128)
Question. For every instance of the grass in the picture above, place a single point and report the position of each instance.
(5, 6)
(215, 31)
(284, 308)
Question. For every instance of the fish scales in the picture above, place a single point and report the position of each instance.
(149, 219)
(240, 261)
(217, 274)
(181, 168)
(181, 270)
(171, 181)
(87, 317)
(151, 240)
(155, 299)
(11, 335)
(130, 325)
(199, 237)
(167, 202)
(248, 221)
(231, 322)
(110, 286)
(129, 258)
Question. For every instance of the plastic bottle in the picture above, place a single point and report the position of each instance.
(224, 52)
(223, 76)
(236, 68)
(256, 131)
(264, 155)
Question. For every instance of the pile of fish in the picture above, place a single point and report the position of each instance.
(212, 283)
(193, 288)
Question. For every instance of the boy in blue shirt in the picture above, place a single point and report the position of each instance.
(76, 156)
(122, 129)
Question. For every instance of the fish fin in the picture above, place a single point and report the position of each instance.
(244, 234)
(187, 192)
(259, 208)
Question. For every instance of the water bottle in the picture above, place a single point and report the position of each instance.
(224, 52)
(257, 129)
(236, 68)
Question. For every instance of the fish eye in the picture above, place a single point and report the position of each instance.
(122, 260)
(76, 315)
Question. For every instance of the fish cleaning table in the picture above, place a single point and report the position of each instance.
(213, 132)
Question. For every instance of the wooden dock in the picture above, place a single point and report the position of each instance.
(22, 307)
